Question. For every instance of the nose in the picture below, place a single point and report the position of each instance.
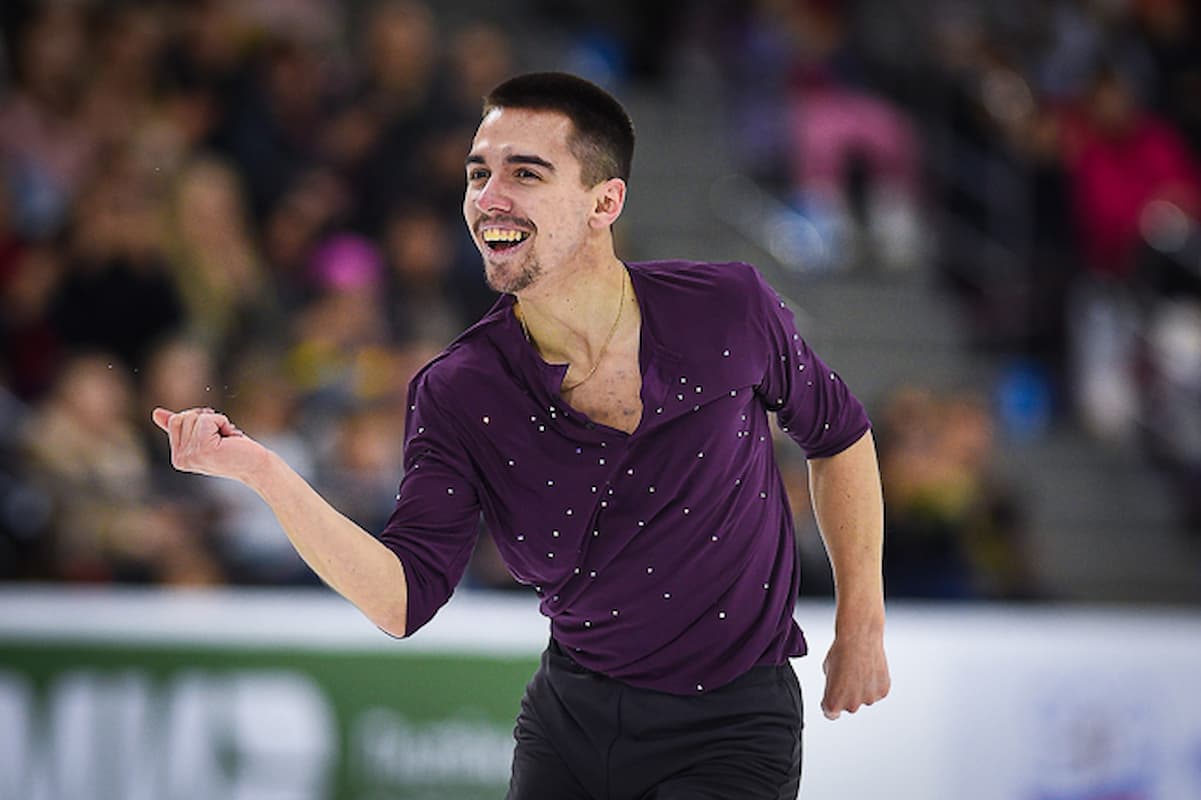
(492, 197)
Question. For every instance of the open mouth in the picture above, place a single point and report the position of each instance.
(500, 239)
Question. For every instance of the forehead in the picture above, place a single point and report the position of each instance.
(505, 131)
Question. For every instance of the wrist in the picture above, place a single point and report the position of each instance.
(259, 474)
(863, 617)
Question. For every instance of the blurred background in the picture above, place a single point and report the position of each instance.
(984, 215)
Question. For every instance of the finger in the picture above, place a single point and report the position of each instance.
(161, 416)
(829, 706)
(174, 432)
(188, 439)
(225, 428)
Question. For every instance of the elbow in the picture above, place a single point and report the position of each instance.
(393, 622)
(395, 629)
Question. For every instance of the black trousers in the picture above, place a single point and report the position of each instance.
(583, 736)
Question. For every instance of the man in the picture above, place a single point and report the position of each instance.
(610, 421)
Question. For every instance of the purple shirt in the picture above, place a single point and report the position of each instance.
(664, 558)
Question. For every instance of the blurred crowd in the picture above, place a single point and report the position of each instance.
(1044, 157)
(254, 205)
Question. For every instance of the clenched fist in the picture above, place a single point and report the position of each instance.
(206, 442)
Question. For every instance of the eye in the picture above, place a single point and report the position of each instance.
(527, 174)
(477, 174)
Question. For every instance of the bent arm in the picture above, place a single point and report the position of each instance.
(848, 505)
(349, 559)
(346, 557)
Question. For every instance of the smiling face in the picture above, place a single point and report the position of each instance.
(528, 210)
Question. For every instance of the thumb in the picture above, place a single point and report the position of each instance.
(161, 416)
(828, 702)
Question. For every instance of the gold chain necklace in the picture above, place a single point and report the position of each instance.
(604, 347)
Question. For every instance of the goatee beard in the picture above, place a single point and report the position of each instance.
(527, 274)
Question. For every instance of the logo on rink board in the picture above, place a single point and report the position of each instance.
(123, 734)
(198, 735)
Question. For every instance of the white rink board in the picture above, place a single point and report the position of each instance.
(988, 702)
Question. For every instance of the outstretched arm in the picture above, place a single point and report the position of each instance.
(350, 560)
(849, 508)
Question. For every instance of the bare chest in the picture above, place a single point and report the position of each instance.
(613, 396)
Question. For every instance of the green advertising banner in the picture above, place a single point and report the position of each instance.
(205, 712)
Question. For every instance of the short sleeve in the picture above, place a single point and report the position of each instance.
(435, 524)
(813, 404)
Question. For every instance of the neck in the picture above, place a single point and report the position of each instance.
(571, 320)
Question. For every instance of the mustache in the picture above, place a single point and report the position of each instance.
(507, 220)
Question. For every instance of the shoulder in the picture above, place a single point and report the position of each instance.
(724, 283)
(471, 361)
(695, 274)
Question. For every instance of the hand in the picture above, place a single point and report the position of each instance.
(856, 675)
(206, 442)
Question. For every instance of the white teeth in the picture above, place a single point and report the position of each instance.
(503, 235)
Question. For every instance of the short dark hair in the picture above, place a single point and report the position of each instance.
(602, 137)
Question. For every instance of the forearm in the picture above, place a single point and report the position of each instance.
(849, 508)
(348, 558)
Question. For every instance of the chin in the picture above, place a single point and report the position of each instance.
(511, 278)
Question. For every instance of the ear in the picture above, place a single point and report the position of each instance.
(610, 199)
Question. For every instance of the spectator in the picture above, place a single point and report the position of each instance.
(952, 526)
(253, 547)
(44, 139)
(1122, 158)
(397, 96)
(118, 292)
(32, 348)
(340, 337)
(216, 260)
(362, 468)
(84, 452)
(420, 252)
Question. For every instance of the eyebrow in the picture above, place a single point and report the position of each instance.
(516, 158)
